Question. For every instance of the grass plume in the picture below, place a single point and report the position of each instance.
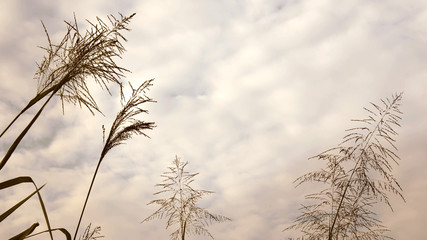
(181, 207)
(68, 65)
(358, 176)
(64, 72)
(124, 126)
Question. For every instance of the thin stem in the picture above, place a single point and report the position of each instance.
(13, 121)
(341, 201)
(349, 181)
(182, 222)
(120, 131)
(183, 232)
(33, 101)
(30, 104)
(87, 197)
(21, 136)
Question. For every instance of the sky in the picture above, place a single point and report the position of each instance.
(246, 91)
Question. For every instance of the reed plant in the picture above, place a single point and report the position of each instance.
(180, 208)
(64, 72)
(124, 126)
(69, 64)
(358, 176)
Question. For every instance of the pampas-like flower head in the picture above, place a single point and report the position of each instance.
(68, 64)
(125, 124)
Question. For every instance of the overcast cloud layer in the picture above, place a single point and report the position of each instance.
(246, 92)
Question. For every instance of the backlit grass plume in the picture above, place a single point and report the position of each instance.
(67, 66)
(64, 71)
(358, 176)
(181, 207)
(124, 126)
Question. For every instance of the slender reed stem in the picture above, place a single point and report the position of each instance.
(123, 127)
(183, 231)
(33, 101)
(87, 197)
(21, 136)
(11, 123)
(349, 181)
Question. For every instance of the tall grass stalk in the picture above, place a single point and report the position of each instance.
(124, 126)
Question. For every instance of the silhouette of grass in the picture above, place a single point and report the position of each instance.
(358, 175)
(124, 126)
(181, 207)
(67, 66)
(64, 72)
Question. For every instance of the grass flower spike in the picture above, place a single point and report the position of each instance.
(124, 126)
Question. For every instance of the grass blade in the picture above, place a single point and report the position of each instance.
(25, 233)
(12, 209)
(15, 181)
(63, 230)
(46, 218)
(26, 179)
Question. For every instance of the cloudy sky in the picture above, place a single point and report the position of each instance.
(246, 92)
